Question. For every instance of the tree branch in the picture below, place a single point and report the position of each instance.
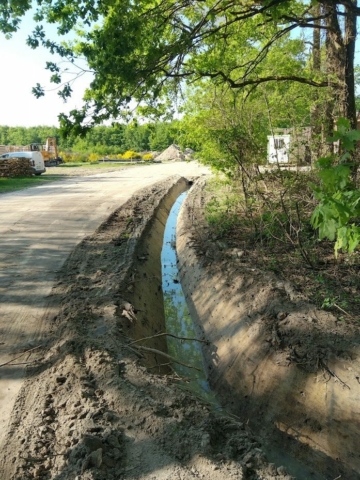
(170, 335)
(271, 78)
(27, 351)
(159, 352)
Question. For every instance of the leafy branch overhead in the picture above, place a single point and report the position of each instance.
(145, 50)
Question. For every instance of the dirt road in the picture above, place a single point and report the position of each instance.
(39, 227)
(93, 404)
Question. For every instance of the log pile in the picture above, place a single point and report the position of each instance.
(15, 167)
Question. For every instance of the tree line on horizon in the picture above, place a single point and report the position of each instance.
(101, 140)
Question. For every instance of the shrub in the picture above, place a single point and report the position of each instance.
(131, 155)
(93, 157)
(148, 157)
(66, 156)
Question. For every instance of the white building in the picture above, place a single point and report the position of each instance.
(278, 148)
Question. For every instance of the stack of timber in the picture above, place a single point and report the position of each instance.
(15, 167)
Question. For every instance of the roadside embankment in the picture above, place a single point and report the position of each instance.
(286, 368)
(91, 406)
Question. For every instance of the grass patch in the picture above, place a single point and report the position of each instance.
(99, 165)
(71, 165)
(8, 185)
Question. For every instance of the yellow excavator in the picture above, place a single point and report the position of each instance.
(48, 151)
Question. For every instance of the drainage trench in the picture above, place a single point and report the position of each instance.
(177, 316)
(153, 288)
(160, 306)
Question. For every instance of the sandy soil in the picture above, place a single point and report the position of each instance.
(92, 406)
(97, 403)
(288, 369)
(39, 227)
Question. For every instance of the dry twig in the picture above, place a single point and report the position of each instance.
(27, 351)
(333, 374)
(170, 335)
(342, 310)
(159, 352)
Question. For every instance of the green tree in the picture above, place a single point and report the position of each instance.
(229, 127)
(25, 136)
(136, 137)
(162, 136)
(226, 133)
(145, 50)
(165, 42)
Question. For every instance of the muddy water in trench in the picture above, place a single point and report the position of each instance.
(177, 316)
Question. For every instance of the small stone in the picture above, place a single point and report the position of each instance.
(110, 416)
(92, 443)
(281, 471)
(49, 411)
(38, 471)
(117, 453)
(113, 441)
(205, 440)
(88, 393)
(95, 458)
(61, 379)
(109, 462)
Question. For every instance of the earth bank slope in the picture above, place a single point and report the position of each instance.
(287, 369)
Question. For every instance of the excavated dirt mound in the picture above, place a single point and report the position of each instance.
(286, 368)
(94, 405)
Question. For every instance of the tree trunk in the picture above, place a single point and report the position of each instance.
(335, 63)
(351, 114)
(316, 114)
(349, 41)
(340, 53)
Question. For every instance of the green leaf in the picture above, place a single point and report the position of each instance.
(38, 91)
(55, 78)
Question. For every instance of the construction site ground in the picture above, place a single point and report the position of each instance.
(83, 398)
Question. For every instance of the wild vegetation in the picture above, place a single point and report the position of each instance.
(302, 225)
(99, 141)
(237, 71)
